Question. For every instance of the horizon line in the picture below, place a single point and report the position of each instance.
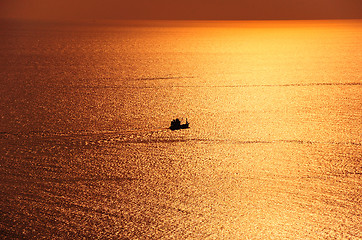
(167, 19)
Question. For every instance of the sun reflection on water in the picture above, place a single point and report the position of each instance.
(273, 149)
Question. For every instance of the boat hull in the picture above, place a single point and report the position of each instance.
(182, 126)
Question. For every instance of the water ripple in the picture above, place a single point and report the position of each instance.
(124, 85)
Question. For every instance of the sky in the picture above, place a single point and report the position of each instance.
(182, 9)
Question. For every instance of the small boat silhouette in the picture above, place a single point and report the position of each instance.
(176, 124)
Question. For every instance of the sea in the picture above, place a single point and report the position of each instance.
(273, 151)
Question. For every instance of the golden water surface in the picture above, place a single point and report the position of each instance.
(273, 150)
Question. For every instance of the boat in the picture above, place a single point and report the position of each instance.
(176, 124)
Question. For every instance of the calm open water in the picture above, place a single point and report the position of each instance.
(273, 150)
